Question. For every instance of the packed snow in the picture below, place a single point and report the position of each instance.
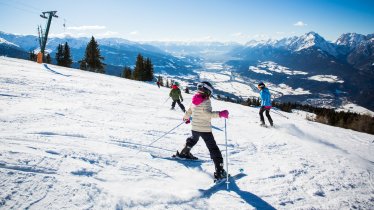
(71, 139)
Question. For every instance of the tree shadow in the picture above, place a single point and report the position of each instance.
(248, 197)
(48, 68)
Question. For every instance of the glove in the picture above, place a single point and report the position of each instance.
(182, 100)
(224, 114)
(187, 121)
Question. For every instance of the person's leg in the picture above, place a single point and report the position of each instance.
(215, 154)
(190, 142)
(269, 117)
(173, 104)
(181, 106)
(262, 109)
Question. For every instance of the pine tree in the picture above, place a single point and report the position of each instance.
(59, 55)
(82, 65)
(127, 72)
(139, 68)
(48, 59)
(148, 70)
(92, 60)
(66, 58)
(32, 56)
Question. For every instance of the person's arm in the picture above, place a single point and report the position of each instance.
(188, 114)
(208, 110)
(180, 95)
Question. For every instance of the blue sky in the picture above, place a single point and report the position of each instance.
(191, 20)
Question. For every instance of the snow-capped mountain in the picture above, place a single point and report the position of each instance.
(116, 51)
(5, 42)
(351, 40)
(296, 43)
(12, 50)
(72, 139)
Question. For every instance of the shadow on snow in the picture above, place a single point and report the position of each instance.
(248, 197)
(47, 67)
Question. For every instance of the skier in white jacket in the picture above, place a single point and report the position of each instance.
(201, 113)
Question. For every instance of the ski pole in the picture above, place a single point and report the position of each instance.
(166, 133)
(166, 100)
(276, 112)
(162, 136)
(227, 160)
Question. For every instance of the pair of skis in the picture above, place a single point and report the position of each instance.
(216, 181)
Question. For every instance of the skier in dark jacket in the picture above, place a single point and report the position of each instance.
(176, 96)
(201, 113)
(265, 103)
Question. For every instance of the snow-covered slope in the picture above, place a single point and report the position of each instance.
(78, 140)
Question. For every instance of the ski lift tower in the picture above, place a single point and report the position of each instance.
(44, 36)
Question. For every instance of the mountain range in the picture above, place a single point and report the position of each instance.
(343, 69)
(117, 52)
(306, 68)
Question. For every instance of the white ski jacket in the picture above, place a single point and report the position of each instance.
(201, 116)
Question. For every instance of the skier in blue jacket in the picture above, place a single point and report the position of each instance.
(265, 103)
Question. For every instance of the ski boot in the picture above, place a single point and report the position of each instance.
(262, 124)
(220, 172)
(186, 154)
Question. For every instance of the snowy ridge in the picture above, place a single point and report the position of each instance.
(3, 41)
(71, 139)
(350, 39)
(296, 43)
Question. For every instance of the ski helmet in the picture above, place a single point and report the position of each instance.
(261, 85)
(176, 83)
(205, 87)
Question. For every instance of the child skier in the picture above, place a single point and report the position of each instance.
(201, 112)
(176, 96)
(265, 103)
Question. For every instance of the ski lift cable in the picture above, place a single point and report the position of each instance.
(18, 7)
(27, 5)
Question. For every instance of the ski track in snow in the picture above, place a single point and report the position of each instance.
(71, 139)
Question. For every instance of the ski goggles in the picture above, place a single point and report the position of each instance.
(201, 86)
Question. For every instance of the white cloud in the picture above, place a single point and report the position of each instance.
(239, 34)
(206, 38)
(108, 34)
(300, 24)
(134, 33)
(85, 28)
(260, 37)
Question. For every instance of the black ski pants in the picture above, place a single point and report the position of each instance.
(215, 153)
(267, 112)
(179, 103)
